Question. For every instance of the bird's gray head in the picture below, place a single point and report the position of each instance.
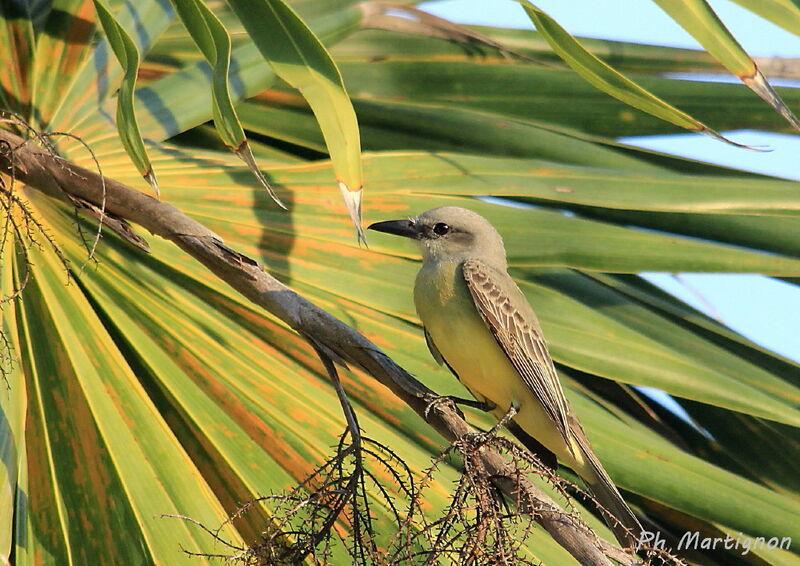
(450, 233)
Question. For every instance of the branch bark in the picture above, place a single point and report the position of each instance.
(62, 180)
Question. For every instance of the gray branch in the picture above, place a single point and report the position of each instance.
(65, 181)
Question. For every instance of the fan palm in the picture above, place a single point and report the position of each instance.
(139, 385)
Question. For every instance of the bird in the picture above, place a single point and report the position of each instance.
(479, 324)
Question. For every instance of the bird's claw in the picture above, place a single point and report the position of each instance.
(434, 404)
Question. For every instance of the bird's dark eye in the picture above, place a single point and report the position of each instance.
(441, 228)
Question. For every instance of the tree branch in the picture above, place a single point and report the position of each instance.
(60, 179)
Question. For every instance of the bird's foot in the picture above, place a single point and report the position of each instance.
(485, 437)
(444, 399)
(510, 414)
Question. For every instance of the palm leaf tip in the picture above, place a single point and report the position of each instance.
(246, 154)
(150, 177)
(757, 82)
(352, 200)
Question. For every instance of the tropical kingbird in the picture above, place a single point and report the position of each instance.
(478, 322)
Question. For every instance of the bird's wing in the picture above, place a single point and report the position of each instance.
(511, 320)
(432, 348)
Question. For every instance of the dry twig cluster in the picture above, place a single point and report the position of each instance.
(331, 511)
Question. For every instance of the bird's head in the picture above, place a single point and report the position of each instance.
(450, 233)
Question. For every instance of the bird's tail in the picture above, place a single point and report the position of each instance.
(623, 522)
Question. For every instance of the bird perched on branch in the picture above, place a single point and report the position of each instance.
(479, 323)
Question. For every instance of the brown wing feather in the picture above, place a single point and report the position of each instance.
(516, 329)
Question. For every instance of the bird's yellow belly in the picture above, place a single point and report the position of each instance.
(465, 342)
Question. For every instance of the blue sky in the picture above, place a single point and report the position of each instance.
(765, 310)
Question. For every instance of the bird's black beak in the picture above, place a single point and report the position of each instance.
(405, 228)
